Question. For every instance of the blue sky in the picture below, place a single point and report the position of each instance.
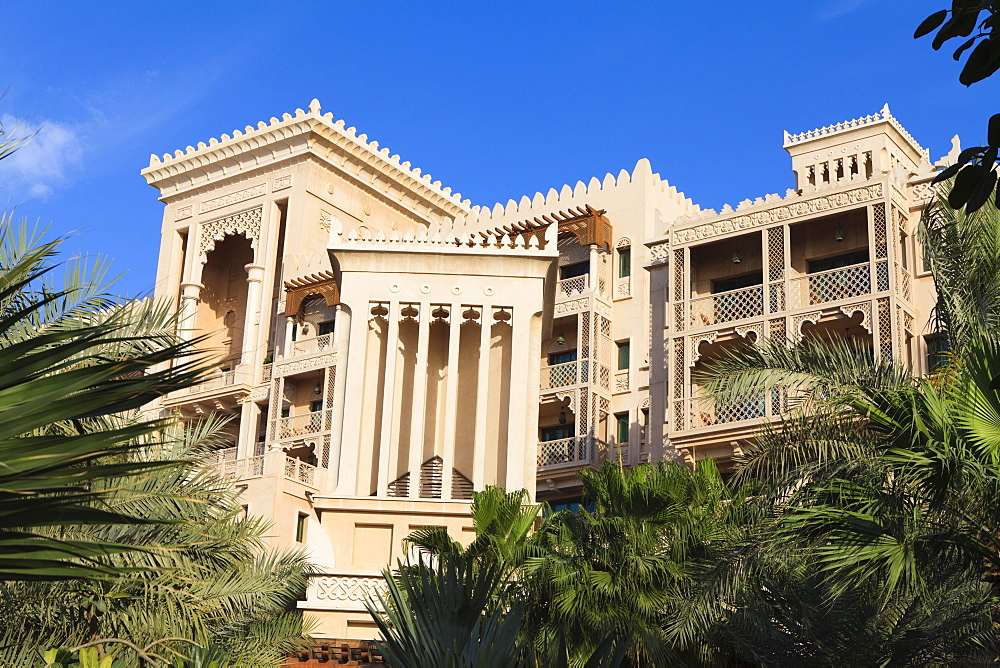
(494, 99)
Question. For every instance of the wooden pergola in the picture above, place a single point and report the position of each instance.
(589, 225)
(323, 284)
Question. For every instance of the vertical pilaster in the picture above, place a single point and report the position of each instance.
(388, 397)
(530, 434)
(419, 400)
(249, 416)
(521, 360)
(451, 400)
(286, 348)
(482, 399)
(342, 335)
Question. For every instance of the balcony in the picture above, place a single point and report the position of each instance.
(300, 471)
(317, 344)
(574, 451)
(570, 287)
(836, 284)
(302, 425)
(562, 375)
(727, 306)
(221, 380)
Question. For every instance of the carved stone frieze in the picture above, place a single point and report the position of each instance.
(184, 212)
(570, 306)
(295, 366)
(779, 213)
(233, 198)
(246, 223)
(281, 183)
(659, 252)
(346, 588)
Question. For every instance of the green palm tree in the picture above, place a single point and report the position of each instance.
(886, 481)
(70, 355)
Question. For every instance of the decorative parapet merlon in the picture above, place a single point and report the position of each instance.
(883, 116)
(447, 236)
(250, 138)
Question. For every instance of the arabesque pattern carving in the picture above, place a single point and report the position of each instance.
(246, 223)
(347, 588)
(233, 198)
(779, 213)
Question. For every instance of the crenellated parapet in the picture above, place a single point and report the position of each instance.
(883, 116)
(453, 235)
(254, 146)
(598, 192)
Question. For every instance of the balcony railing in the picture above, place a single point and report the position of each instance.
(241, 469)
(223, 379)
(575, 450)
(573, 286)
(832, 285)
(313, 345)
(296, 469)
(727, 306)
(564, 375)
(301, 425)
(705, 412)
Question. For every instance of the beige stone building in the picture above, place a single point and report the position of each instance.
(385, 347)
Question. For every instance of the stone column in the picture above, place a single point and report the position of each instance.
(286, 348)
(190, 296)
(249, 416)
(482, 398)
(251, 321)
(419, 400)
(594, 278)
(451, 400)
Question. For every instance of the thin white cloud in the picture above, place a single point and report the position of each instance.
(838, 8)
(52, 151)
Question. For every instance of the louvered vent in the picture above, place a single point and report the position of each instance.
(430, 482)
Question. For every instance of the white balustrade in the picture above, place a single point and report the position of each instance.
(313, 345)
(561, 375)
(564, 451)
(300, 425)
(832, 285)
(705, 412)
(241, 469)
(727, 306)
(304, 472)
(575, 285)
(221, 379)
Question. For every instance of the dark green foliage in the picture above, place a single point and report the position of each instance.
(977, 21)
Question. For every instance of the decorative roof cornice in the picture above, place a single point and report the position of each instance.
(883, 116)
(229, 147)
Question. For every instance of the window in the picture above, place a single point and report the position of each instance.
(300, 528)
(624, 262)
(562, 358)
(621, 427)
(738, 282)
(574, 270)
(315, 406)
(326, 327)
(557, 432)
(623, 355)
(838, 261)
(285, 412)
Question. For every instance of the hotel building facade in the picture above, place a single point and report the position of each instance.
(384, 347)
